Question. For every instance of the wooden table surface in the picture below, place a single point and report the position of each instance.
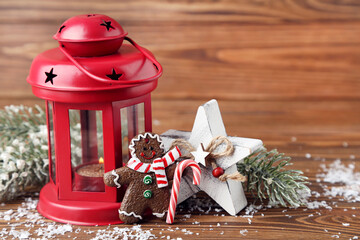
(281, 70)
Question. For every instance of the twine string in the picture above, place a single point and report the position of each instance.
(183, 144)
(213, 145)
(216, 142)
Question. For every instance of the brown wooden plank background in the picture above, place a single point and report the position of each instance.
(246, 54)
(279, 69)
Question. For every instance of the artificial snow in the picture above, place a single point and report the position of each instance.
(30, 217)
(135, 232)
(317, 204)
(243, 232)
(21, 234)
(337, 172)
(52, 230)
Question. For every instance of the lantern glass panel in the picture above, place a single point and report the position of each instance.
(87, 150)
(51, 140)
(141, 117)
(132, 123)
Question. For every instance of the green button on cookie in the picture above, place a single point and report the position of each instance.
(147, 194)
(147, 180)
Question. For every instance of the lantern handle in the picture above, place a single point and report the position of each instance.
(130, 82)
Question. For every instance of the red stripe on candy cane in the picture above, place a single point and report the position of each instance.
(158, 166)
(176, 185)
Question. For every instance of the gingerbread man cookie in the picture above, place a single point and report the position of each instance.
(146, 174)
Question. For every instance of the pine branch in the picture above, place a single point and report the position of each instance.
(24, 161)
(268, 178)
(23, 151)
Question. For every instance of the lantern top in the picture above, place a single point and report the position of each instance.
(91, 66)
(52, 75)
(89, 28)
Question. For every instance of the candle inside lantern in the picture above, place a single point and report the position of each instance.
(89, 177)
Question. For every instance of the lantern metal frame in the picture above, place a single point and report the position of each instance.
(80, 70)
(58, 200)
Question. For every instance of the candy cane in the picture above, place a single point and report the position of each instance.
(176, 184)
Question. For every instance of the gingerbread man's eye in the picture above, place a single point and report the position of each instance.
(144, 148)
(151, 148)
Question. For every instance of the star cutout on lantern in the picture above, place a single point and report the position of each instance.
(61, 28)
(200, 155)
(107, 24)
(208, 124)
(114, 75)
(50, 76)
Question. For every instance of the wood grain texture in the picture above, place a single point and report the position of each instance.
(279, 68)
(275, 223)
(230, 50)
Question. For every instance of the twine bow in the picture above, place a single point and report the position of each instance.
(213, 145)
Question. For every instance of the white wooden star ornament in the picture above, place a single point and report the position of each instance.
(200, 155)
(208, 124)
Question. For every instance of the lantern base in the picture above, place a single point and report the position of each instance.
(76, 212)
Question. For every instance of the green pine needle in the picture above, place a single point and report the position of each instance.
(267, 178)
(24, 162)
(23, 151)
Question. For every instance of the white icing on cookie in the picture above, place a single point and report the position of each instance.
(116, 178)
(129, 214)
(137, 138)
(159, 215)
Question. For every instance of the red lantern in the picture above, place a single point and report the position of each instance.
(97, 99)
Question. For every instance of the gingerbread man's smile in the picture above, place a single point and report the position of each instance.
(148, 158)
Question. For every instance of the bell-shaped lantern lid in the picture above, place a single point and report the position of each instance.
(89, 28)
(92, 64)
(90, 35)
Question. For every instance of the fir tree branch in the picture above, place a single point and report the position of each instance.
(23, 151)
(267, 178)
(24, 161)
